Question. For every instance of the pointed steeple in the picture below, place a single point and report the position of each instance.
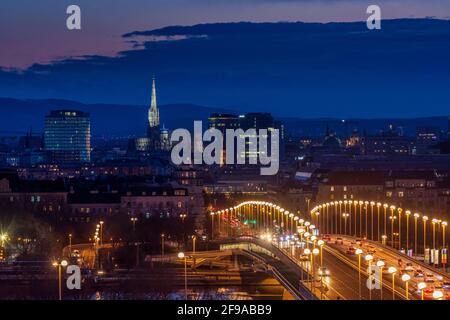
(153, 112)
(153, 104)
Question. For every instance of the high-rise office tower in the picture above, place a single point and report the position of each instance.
(67, 136)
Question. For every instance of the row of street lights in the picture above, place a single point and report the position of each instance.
(327, 214)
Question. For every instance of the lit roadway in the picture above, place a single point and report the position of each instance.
(391, 257)
(301, 242)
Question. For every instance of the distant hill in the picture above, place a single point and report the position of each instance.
(18, 116)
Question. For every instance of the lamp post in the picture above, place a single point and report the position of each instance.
(59, 265)
(393, 271)
(358, 252)
(360, 218)
(433, 223)
(308, 252)
(371, 219)
(425, 219)
(133, 221)
(369, 259)
(408, 213)
(385, 206)
(321, 243)
(405, 279)
(392, 218)
(181, 255)
(194, 237)
(400, 210)
(416, 216)
(101, 232)
(345, 215)
(366, 203)
(162, 245)
(443, 224)
(421, 286)
(315, 252)
(380, 265)
(378, 221)
(70, 244)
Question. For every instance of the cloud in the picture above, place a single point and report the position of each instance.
(303, 69)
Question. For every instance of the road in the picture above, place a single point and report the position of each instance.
(433, 278)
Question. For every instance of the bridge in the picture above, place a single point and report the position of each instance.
(345, 249)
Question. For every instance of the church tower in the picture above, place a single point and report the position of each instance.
(153, 112)
(153, 131)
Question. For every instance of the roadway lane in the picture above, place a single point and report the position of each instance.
(433, 279)
(343, 281)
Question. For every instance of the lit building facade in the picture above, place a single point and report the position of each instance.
(67, 137)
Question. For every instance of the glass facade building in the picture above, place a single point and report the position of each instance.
(67, 137)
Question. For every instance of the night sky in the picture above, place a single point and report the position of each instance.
(306, 70)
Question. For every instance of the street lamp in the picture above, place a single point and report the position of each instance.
(438, 295)
(181, 255)
(378, 220)
(400, 210)
(59, 265)
(321, 243)
(416, 216)
(443, 224)
(392, 218)
(433, 223)
(345, 215)
(308, 252)
(393, 271)
(421, 286)
(162, 245)
(385, 206)
(194, 237)
(369, 259)
(380, 265)
(425, 219)
(358, 252)
(372, 203)
(133, 221)
(101, 232)
(315, 252)
(70, 244)
(405, 279)
(408, 213)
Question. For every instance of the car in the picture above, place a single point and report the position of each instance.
(304, 258)
(419, 273)
(409, 268)
(326, 238)
(359, 242)
(371, 251)
(339, 241)
(446, 284)
(428, 294)
(429, 278)
(351, 250)
(324, 272)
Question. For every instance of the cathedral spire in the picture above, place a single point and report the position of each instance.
(153, 104)
(153, 112)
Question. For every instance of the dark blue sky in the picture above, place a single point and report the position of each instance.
(306, 70)
(289, 69)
